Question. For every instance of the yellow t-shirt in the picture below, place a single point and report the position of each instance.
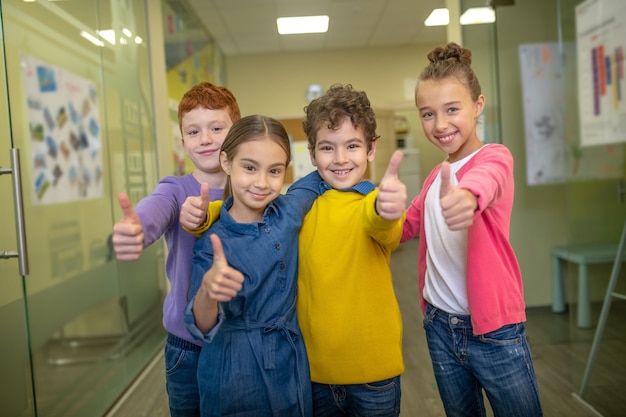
(346, 304)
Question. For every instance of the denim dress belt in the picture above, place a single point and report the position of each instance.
(280, 324)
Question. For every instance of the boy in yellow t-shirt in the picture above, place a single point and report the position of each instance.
(346, 305)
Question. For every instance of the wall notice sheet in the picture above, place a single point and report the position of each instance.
(553, 150)
(601, 37)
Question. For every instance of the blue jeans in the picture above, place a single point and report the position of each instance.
(375, 399)
(181, 381)
(466, 364)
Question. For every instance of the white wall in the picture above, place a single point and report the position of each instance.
(275, 85)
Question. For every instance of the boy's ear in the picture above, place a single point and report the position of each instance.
(225, 163)
(371, 154)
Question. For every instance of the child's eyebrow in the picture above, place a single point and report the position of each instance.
(249, 161)
(351, 140)
(255, 162)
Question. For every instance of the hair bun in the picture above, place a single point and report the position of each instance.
(451, 52)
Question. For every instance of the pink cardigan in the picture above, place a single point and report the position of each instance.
(494, 282)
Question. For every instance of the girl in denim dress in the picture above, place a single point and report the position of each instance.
(243, 288)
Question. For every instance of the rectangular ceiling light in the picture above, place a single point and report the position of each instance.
(91, 38)
(438, 17)
(302, 24)
(478, 15)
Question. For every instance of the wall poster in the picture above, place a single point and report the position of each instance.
(65, 134)
(601, 38)
(553, 150)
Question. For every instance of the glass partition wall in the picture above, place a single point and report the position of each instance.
(567, 141)
(77, 108)
(593, 41)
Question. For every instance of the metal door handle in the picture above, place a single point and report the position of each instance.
(20, 228)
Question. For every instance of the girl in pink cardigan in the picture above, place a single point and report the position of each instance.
(470, 283)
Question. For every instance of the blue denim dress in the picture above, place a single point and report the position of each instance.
(253, 362)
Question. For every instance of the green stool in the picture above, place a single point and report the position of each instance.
(582, 255)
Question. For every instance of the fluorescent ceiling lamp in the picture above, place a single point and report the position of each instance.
(438, 17)
(303, 24)
(108, 35)
(91, 38)
(478, 15)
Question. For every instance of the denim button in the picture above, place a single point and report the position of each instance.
(454, 320)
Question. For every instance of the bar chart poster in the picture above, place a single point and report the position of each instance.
(601, 40)
(553, 151)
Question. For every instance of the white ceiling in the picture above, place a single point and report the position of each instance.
(242, 27)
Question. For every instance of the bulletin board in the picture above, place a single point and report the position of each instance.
(65, 134)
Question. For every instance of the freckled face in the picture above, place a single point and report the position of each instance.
(203, 132)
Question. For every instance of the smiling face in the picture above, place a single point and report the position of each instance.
(449, 115)
(341, 155)
(203, 132)
(257, 172)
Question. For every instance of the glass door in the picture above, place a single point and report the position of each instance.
(76, 103)
(16, 396)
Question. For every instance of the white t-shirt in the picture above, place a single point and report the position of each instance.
(446, 253)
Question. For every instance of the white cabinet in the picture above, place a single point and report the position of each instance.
(409, 173)
(385, 145)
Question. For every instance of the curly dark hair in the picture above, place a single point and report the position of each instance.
(330, 110)
(452, 61)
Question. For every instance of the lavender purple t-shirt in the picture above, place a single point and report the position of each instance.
(160, 215)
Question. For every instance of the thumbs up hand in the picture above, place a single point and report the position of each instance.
(221, 282)
(391, 199)
(457, 205)
(194, 209)
(127, 235)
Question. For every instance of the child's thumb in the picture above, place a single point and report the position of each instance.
(127, 208)
(204, 194)
(218, 250)
(446, 184)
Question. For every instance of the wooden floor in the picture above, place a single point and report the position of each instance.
(558, 347)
